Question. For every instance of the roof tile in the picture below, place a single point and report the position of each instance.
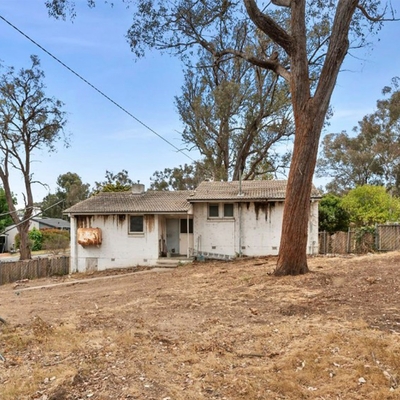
(250, 190)
(128, 202)
(179, 201)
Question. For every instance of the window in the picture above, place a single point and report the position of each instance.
(222, 210)
(213, 210)
(184, 226)
(136, 224)
(228, 210)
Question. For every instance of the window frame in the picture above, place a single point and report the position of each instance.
(183, 226)
(131, 232)
(221, 211)
(209, 210)
(233, 210)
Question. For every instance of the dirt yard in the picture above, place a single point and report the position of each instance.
(211, 330)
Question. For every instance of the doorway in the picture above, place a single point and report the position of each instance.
(173, 236)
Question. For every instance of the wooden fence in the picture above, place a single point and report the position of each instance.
(346, 242)
(12, 271)
(385, 237)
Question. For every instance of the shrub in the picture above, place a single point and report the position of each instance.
(35, 240)
(55, 240)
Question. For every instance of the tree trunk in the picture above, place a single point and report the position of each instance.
(25, 247)
(292, 258)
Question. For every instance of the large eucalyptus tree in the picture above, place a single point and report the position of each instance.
(29, 121)
(311, 38)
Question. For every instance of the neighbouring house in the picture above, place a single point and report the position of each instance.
(36, 222)
(217, 220)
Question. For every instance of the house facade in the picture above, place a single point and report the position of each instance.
(8, 243)
(244, 218)
(125, 229)
(217, 220)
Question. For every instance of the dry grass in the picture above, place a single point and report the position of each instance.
(208, 331)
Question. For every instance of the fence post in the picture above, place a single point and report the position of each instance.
(348, 240)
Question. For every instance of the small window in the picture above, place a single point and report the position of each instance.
(213, 210)
(228, 210)
(184, 226)
(136, 224)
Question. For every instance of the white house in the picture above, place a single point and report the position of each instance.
(218, 219)
(244, 218)
(37, 222)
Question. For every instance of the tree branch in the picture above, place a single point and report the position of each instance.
(282, 3)
(269, 26)
(271, 63)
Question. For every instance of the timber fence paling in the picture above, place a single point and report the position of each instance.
(12, 271)
(351, 241)
(388, 237)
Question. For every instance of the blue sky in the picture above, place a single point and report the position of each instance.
(102, 136)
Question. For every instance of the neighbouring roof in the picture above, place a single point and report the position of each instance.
(128, 202)
(53, 222)
(250, 190)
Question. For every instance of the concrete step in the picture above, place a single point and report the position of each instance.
(172, 262)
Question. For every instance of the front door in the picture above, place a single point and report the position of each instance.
(173, 236)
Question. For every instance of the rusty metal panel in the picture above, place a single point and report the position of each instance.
(89, 236)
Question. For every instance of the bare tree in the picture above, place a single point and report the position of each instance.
(29, 121)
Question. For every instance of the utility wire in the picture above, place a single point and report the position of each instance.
(94, 87)
(27, 219)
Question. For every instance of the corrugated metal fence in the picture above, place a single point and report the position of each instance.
(12, 271)
(385, 237)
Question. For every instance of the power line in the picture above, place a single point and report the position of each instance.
(95, 88)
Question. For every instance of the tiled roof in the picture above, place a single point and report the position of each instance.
(251, 190)
(128, 202)
(179, 201)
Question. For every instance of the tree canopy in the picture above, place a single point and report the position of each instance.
(332, 216)
(70, 190)
(368, 205)
(29, 121)
(372, 156)
(184, 177)
(234, 114)
(119, 182)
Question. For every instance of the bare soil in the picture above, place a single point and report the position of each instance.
(211, 330)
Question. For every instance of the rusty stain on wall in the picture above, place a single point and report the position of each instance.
(150, 222)
(271, 207)
(266, 208)
(261, 207)
(84, 221)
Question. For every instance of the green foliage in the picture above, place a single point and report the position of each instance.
(368, 205)
(234, 115)
(70, 190)
(5, 218)
(29, 121)
(55, 240)
(373, 155)
(119, 182)
(332, 216)
(46, 239)
(36, 237)
(186, 177)
(35, 240)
